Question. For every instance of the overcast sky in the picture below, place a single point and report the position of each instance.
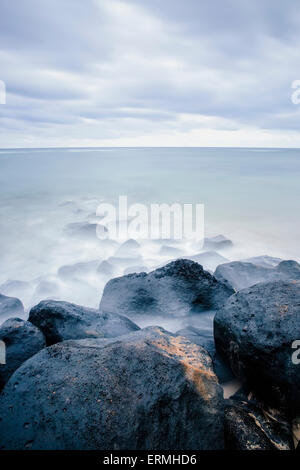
(149, 73)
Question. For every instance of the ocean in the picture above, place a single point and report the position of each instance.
(251, 196)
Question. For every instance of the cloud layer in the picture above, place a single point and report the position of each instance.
(149, 72)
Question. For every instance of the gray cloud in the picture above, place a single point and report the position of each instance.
(147, 72)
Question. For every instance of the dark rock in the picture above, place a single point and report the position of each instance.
(22, 340)
(177, 289)
(241, 274)
(60, 321)
(254, 332)
(247, 427)
(148, 390)
(10, 307)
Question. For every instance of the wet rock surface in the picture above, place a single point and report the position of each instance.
(61, 321)
(148, 390)
(174, 290)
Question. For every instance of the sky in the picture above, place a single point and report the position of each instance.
(149, 73)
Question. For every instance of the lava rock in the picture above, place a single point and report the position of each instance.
(255, 332)
(148, 390)
(61, 321)
(265, 261)
(206, 340)
(177, 289)
(10, 307)
(209, 260)
(22, 340)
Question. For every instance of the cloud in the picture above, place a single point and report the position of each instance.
(149, 73)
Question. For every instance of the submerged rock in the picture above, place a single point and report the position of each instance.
(128, 249)
(77, 269)
(106, 269)
(242, 274)
(177, 289)
(247, 427)
(60, 321)
(22, 340)
(83, 229)
(255, 332)
(10, 307)
(265, 261)
(148, 390)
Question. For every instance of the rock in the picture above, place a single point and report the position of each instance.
(241, 275)
(106, 269)
(177, 289)
(10, 307)
(217, 243)
(22, 340)
(128, 249)
(147, 390)
(19, 289)
(77, 269)
(205, 339)
(247, 427)
(264, 261)
(254, 332)
(136, 269)
(209, 260)
(60, 321)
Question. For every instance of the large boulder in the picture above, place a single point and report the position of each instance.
(22, 340)
(147, 390)
(255, 332)
(180, 288)
(205, 339)
(10, 307)
(241, 274)
(61, 321)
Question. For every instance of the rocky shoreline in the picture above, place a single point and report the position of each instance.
(83, 378)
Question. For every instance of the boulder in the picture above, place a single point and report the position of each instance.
(78, 269)
(247, 427)
(147, 390)
(180, 288)
(242, 274)
(83, 230)
(167, 250)
(217, 243)
(22, 340)
(60, 321)
(10, 307)
(106, 269)
(255, 332)
(128, 249)
(205, 339)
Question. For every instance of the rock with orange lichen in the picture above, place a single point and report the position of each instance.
(177, 289)
(149, 389)
(256, 333)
